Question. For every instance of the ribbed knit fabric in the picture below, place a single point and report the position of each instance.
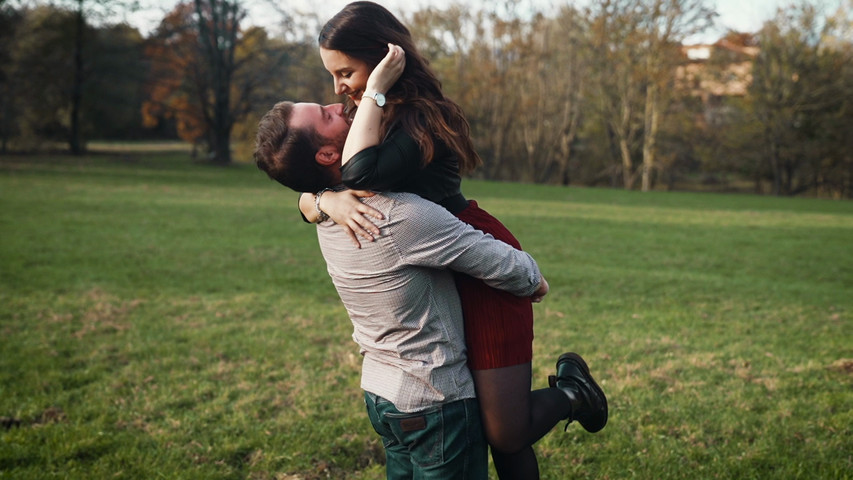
(498, 325)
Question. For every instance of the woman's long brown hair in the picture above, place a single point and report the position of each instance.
(363, 30)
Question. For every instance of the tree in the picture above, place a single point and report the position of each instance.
(836, 176)
(10, 21)
(218, 23)
(490, 103)
(618, 82)
(516, 79)
(58, 68)
(173, 83)
(667, 23)
(637, 41)
(210, 75)
(458, 43)
(274, 70)
(39, 74)
(82, 9)
(193, 66)
(113, 94)
(797, 89)
(555, 92)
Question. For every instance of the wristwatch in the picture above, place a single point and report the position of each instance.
(376, 96)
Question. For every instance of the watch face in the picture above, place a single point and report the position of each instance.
(380, 99)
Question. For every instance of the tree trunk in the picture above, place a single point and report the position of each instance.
(221, 147)
(218, 35)
(565, 155)
(774, 167)
(74, 143)
(627, 164)
(652, 121)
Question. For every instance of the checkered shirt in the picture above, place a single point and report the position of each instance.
(402, 299)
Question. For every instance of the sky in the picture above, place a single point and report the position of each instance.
(739, 15)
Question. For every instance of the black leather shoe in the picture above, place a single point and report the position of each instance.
(589, 405)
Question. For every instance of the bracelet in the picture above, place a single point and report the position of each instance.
(323, 216)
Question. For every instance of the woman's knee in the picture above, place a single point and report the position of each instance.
(506, 441)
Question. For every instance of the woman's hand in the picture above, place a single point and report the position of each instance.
(348, 211)
(388, 71)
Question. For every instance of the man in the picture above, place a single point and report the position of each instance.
(402, 301)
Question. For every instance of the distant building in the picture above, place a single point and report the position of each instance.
(711, 72)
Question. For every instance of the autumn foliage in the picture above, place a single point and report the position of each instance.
(174, 84)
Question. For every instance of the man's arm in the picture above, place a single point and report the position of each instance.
(429, 236)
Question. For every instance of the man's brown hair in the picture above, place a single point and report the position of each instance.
(287, 154)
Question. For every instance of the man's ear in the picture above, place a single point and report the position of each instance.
(328, 155)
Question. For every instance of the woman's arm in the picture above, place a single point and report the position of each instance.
(306, 207)
(374, 163)
(385, 167)
(345, 208)
(364, 131)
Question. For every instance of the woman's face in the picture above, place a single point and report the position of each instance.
(349, 74)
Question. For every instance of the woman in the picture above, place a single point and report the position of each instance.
(407, 136)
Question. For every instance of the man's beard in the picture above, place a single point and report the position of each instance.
(340, 140)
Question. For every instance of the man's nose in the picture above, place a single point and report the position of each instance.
(336, 109)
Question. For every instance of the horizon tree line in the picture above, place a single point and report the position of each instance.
(577, 96)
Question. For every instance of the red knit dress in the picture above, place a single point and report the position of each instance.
(498, 325)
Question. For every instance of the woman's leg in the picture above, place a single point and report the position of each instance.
(498, 332)
(514, 417)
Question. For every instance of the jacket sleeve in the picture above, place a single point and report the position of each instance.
(383, 167)
(427, 235)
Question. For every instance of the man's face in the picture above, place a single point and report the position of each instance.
(329, 121)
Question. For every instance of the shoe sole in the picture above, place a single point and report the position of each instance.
(574, 357)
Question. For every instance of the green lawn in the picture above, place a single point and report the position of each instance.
(160, 319)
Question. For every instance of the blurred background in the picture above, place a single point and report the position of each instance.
(635, 94)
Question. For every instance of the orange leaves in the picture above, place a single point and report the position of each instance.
(175, 75)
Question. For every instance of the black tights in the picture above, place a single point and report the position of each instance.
(504, 395)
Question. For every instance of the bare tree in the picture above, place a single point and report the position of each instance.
(799, 92)
(667, 24)
(84, 10)
(218, 23)
(637, 41)
(555, 85)
(616, 81)
(10, 22)
(210, 75)
(469, 57)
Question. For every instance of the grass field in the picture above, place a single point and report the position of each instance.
(160, 319)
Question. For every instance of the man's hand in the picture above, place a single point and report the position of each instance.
(541, 291)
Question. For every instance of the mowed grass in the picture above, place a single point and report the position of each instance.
(160, 319)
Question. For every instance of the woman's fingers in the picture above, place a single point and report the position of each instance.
(351, 236)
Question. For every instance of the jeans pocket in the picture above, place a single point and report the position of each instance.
(422, 433)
